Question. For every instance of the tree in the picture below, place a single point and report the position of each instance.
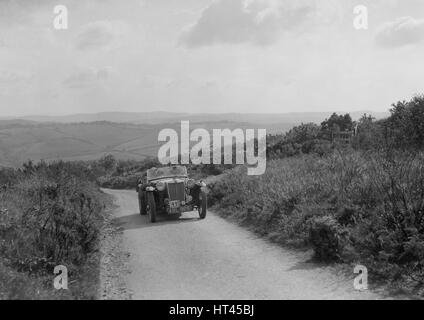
(405, 125)
(336, 123)
(368, 134)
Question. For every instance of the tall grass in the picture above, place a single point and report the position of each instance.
(50, 215)
(352, 206)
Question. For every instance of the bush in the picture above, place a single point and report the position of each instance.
(50, 216)
(348, 206)
(116, 182)
(326, 238)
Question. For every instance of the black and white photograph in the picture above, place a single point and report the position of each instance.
(212, 154)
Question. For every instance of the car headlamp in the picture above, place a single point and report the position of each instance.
(160, 186)
(150, 188)
(190, 183)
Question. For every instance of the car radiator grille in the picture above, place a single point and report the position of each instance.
(176, 191)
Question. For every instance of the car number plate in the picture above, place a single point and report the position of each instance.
(174, 206)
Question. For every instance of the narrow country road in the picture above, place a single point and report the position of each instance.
(215, 259)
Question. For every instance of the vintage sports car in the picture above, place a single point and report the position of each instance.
(170, 191)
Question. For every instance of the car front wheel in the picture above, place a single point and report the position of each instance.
(203, 205)
(151, 207)
(142, 205)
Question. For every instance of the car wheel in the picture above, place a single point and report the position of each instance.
(142, 205)
(203, 205)
(151, 207)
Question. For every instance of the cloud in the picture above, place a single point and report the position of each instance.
(401, 32)
(8, 77)
(100, 34)
(243, 21)
(87, 78)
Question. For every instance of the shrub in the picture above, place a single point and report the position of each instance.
(349, 206)
(50, 216)
(326, 238)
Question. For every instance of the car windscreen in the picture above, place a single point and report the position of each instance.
(157, 173)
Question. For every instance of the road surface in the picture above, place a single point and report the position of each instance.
(216, 259)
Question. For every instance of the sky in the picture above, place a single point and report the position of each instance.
(254, 56)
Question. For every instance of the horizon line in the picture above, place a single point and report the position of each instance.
(17, 117)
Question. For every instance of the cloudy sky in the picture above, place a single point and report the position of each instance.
(208, 56)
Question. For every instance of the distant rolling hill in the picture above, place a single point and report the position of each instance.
(125, 135)
(22, 141)
(168, 117)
